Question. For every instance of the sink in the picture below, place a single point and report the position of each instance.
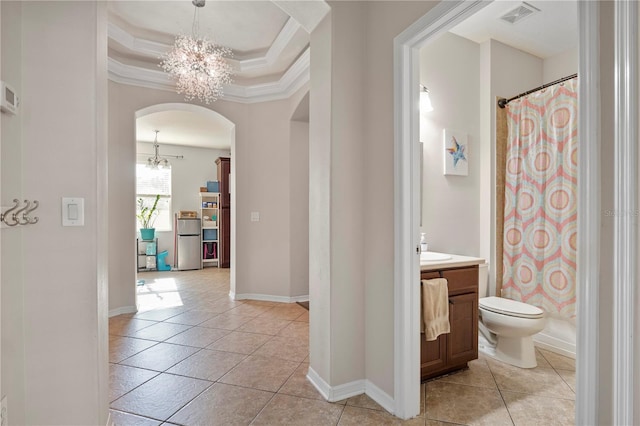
(431, 256)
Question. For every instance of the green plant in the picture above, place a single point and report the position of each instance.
(147, 216)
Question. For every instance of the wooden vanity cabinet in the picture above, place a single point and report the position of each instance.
(452, 351)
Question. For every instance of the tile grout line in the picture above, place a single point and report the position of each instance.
(189, 402)
(501, 396)
(274, 394)
(560, 375)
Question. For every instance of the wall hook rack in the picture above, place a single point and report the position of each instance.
(17, 215)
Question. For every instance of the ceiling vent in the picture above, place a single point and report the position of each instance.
(519, 13)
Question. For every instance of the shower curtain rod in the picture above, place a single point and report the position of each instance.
(503, 102)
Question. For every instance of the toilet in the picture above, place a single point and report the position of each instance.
(506, 327)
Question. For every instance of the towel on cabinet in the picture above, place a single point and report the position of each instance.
(435, 308)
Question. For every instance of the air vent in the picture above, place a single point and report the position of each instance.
(519, 13)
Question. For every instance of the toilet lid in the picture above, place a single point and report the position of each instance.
(503, 306)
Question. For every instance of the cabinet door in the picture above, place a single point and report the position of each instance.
(433, 356)
(462, 342)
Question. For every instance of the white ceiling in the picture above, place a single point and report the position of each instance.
(549, 32)
(185, 128)
(266, 41)
(244, 26)
(270, 41)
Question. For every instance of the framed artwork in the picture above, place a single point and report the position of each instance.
(456, 155)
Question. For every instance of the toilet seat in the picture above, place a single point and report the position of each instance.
(512, 308)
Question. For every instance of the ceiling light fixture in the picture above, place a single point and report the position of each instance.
(156, 161)
(425, 100)
(198, 65)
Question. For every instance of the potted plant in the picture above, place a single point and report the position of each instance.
(147, 217)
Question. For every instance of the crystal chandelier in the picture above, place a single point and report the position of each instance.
(156, 161)
(198, 65)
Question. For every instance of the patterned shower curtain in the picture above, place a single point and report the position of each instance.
(540, 212)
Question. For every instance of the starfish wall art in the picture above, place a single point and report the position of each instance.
(456, 160)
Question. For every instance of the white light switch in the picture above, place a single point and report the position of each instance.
(72, 211)
(255, 216)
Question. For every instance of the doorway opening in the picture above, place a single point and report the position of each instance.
(192, 138)
(407, 202)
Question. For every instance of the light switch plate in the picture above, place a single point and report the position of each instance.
(255, 216)
(72, 211)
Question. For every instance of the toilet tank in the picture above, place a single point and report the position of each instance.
(483, 279)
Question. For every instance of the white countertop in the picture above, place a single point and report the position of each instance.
(456, 261)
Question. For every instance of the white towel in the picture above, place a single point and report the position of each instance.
(435, 308)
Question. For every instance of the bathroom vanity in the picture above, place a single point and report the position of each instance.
(452, 351)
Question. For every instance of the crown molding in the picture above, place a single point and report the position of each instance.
(135, 44)
(285, 36)
(155, 49)
(291, 81)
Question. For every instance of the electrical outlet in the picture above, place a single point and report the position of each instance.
(4, 412)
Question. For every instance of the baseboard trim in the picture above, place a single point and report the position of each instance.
(347, 390)
(123, 310)
(320, 385)
(269, 298)
(555, 345)
(335, 393)
(380, 396)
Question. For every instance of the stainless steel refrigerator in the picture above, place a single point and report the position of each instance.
(188, 231)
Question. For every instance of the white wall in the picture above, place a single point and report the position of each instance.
(12, 248)
(505, 72)
(187, 176)
(449, 67)
(299, 207)
(561, 65)
(63, 63)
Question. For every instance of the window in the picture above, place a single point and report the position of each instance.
(149, 183)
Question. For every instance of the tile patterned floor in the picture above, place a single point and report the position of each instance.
(192, 356)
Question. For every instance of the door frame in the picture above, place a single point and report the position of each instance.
(626, 369)
(407, 203)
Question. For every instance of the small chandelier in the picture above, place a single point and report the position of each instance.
(156, 161)
(198, 65)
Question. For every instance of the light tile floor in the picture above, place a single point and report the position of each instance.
(192, 356)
